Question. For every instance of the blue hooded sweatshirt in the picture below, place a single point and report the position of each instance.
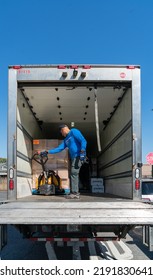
(74, 141)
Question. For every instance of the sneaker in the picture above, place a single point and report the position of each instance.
(77, 195)
(70, 196)
(73, 196)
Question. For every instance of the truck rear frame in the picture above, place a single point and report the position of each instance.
(118, 215)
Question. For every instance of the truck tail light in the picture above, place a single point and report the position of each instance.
(61, 67)
(131, 67)
(137, 184)
(73, 67)
(86, 66)
(11, 184)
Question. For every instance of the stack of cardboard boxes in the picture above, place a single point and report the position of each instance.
(58, 162)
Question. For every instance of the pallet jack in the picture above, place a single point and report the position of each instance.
(49, 183)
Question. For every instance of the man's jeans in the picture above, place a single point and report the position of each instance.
(75, 168)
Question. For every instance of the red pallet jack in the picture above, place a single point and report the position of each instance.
(49, 183)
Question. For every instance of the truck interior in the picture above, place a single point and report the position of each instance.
(93, 108)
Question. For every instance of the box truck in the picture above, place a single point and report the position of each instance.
(104, 103)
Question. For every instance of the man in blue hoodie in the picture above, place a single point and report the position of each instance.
(76, 144)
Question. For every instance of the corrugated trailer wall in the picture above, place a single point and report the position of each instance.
(26, 126)
(115, 161)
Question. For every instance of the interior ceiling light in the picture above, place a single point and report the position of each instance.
(58, 98)
(88, 98)
(87, 106)
(85, 113)
(60, 113)
(59, 106)
(84, 119)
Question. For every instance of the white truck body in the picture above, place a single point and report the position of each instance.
(104, 102)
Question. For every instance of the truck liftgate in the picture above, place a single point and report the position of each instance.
(99, 216)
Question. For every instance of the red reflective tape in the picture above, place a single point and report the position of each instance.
(98, 238)
(66, 239)
(83, 239)
(33, 238)
(49, 239)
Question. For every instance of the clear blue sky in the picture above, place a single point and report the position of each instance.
(82, 31)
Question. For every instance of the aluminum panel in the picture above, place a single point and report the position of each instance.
(55, 74)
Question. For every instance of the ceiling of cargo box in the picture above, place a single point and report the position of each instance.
(74, 106)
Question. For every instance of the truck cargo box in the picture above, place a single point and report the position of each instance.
(104, 103)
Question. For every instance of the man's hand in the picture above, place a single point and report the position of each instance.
(82, 156)
(43, 153)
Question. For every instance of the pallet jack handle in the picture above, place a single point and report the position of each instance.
(40, 159)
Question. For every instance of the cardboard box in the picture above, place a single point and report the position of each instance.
(65, 184)
(63, 173)
(60, 159)
(97, 185)
(3, 183)
(44, 144)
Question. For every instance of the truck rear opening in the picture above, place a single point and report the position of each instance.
(100, 104)
(104, 103)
